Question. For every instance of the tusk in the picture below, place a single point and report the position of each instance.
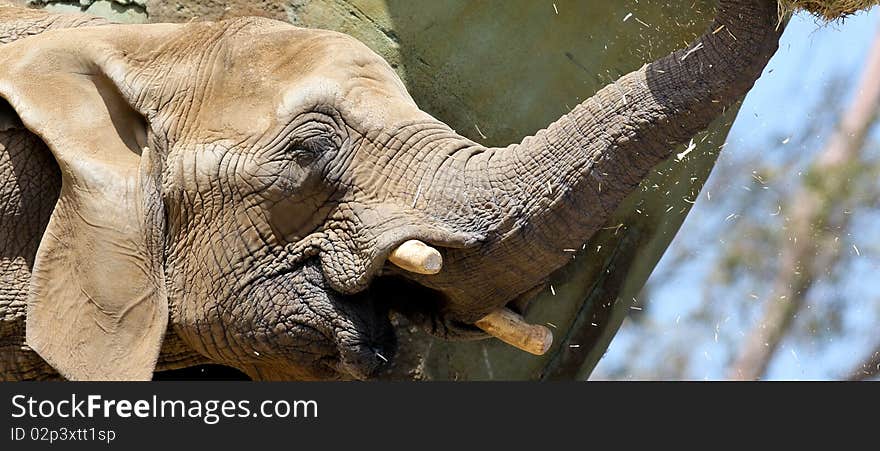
(512, 329)
(416, 256)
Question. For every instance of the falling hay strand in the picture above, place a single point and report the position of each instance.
(827, 9)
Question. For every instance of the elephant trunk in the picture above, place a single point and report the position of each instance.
(554, 190)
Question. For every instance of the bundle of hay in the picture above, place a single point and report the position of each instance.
(827, 9)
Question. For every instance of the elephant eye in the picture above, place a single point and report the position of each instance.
(309, 149)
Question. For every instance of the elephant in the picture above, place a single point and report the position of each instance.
(236, 192)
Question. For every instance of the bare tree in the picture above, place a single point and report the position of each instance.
(813, 224)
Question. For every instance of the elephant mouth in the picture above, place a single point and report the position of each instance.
(400, 286)
(353, 331)
(444, 310)
(423, 307)
(367, 345)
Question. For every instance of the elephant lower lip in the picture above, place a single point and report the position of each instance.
(369, 346)
(367, 361)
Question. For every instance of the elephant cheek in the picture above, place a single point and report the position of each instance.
(291, 220)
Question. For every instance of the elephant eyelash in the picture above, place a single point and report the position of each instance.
(307, 150)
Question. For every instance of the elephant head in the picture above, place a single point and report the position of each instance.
(249, 179)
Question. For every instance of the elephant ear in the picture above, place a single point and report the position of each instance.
(97, 307)
(8, 118)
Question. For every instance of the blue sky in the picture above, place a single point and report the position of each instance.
(812, 58)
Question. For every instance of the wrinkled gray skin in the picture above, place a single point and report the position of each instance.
(294, 161)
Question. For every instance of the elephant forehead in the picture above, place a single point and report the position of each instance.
(361, 101)
(300, 68)
(265, 80)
